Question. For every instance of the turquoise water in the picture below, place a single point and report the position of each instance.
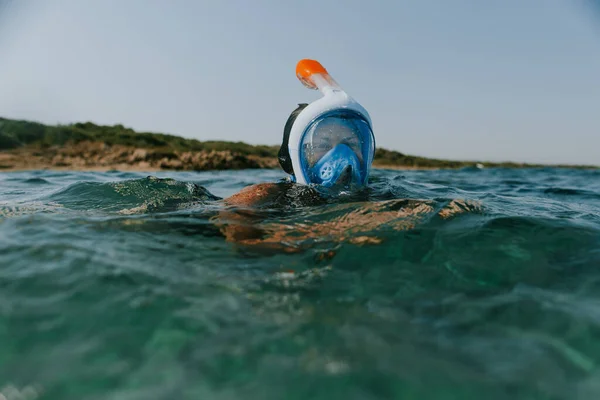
(120, 286)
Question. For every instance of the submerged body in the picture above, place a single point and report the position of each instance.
(356, 222)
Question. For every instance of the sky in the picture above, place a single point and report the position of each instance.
(514, 80)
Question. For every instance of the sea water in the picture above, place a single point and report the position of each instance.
(122, 285)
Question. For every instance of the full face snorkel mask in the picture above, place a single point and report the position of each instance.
(330, 141)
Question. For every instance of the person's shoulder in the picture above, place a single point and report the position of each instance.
(283, 194)
(255, 195)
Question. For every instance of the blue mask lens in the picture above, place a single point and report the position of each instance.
(339, 165)
(337, 148)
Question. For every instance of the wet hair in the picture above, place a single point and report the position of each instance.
(284, 151)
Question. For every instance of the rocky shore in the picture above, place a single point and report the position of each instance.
(100, 156)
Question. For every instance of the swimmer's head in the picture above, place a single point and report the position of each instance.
(329, 142)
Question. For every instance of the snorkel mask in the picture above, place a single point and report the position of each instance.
(330, 141)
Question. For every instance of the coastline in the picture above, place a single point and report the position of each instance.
(26, 145)
(137, 168)
(100, 157)
(96, 156)
(25, 161)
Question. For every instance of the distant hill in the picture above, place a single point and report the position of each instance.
(77, 146)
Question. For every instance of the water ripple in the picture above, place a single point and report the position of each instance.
(430, 284)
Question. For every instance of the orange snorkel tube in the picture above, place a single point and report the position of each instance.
(313, 75)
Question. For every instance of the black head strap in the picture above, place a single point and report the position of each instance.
(284, 152)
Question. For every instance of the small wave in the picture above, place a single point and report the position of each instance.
(37, 181)
(569, 192)
(149, 194)
(11, 210)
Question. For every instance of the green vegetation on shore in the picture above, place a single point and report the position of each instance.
(15, 134)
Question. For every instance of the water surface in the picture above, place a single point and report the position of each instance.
(122, 286)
